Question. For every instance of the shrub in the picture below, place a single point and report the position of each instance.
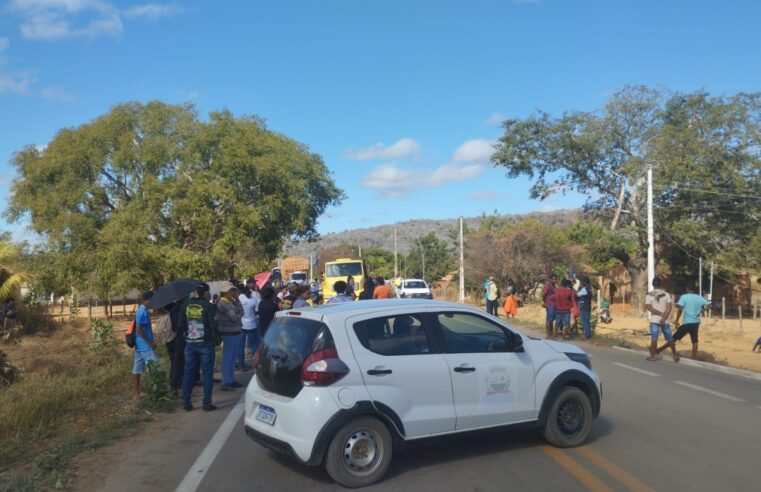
(102, 334)
(9, 373)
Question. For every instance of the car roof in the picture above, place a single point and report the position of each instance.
(414, 280)
(384, 304)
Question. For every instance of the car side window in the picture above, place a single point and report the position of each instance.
(403, 334)
(466, 333)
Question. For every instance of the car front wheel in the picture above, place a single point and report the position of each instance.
(569, 420)
(360, 453)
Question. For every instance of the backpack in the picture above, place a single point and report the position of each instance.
(163, 332)
(130, 336)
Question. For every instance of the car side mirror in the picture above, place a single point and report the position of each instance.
(517, 342)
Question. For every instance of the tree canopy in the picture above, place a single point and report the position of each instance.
(705, 152)
(149, 192)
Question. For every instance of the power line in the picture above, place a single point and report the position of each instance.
(696, 190)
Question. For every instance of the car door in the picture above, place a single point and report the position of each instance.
(492, 384)
(403, 369)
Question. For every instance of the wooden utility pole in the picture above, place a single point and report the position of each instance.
(650, 230)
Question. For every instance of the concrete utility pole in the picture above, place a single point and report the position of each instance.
(396, 256)
(710, 292)
(311, 273)
(700, 276)
(423, 252)
(462, 266)
(650, 233)
(360, 251)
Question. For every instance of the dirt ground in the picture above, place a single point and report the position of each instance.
(720, 341)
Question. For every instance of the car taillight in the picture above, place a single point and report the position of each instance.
(323, 368)
(256, 357)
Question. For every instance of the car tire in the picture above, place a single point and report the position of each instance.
(360, 453)
(569, 419)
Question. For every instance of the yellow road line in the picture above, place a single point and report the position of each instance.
(579, 472)
(630, 481)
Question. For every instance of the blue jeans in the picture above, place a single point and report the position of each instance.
(194, 356)
(655, 329)
(585, 323)
(250, 339)
(229, 350)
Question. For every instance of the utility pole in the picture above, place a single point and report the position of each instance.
(710, 292)
(650, 233)
(311, 273)
(360, 251)
(700, 276)
(396, 256)
(462, 266)
(423, 252)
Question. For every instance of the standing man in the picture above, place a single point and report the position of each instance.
(144, 345)
(176, 348)
(198, 324)
(692, 305)
(340, 289)
(492, 297)
(584, 299)
(563, 304)
(548, 300)
(382, 290)
(658, 304)
(229, 324)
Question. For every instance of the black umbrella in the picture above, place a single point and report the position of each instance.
(172, 292)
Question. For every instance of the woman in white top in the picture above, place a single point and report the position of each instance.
(249, 336)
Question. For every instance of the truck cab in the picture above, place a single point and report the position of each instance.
(341, 269)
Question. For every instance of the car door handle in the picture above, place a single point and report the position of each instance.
(464, 369)
(379, 372)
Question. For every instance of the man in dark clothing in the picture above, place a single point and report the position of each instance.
(267, 310)
(198, 326)
(293, 294)
(176, 348)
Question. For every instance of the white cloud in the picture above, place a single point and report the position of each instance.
(489, 196)
(4, 43)
(18, 82)
(403, 148)
(474, 151)
(57, 19)
(391, 181)
(56, 93)
(495, 119)
(151, 11)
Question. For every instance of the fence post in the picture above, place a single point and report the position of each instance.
(124, 306)
(723, 308)
(89, 307)
(740, 314)
(755, 308)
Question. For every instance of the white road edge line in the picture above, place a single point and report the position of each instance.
(196, 473)
(636, 369)
(710, 391)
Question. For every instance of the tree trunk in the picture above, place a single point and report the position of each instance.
(637, 269)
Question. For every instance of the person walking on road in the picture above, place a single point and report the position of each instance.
(382, 289)
(340, 289)
(584, 301)
(658, 304)
(492, 297)
(229, 324)
(692, 305)
(198, 326)
(248, 334)
(548, 300)
(511, 302)
(563, 304)
(144, 344)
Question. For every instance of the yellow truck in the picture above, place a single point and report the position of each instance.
(341, 269)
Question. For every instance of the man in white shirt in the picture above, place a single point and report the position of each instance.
(658, 304)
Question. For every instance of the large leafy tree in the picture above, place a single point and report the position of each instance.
(148, 192)
(430, 259)
(705, 153)
(12, 275)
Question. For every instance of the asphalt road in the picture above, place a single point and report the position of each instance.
(663, 426)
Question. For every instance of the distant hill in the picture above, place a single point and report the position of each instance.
(383, 236)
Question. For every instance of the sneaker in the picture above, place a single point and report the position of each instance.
(226, 387)
(188, 408)
(209, 408)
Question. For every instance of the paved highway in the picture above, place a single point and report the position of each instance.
(663, 426)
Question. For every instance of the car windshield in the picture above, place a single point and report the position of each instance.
(415, 284)
(343, 270)
(299, 276)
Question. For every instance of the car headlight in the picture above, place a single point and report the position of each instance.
(580, 358)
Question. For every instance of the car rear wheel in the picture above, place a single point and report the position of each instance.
(360, 453)
(569, 420)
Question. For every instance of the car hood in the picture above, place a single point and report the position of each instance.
(564, 348)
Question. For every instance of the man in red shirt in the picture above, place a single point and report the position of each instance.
(382, 291)
(548, 299)
(563, 305)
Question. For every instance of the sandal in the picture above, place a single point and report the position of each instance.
(651, 358)
(676, 358)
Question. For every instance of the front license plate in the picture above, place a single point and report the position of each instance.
(266, 415)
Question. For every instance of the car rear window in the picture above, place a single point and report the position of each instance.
(288, 342)
(415, 285)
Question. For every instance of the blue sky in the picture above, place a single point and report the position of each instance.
(399, 97)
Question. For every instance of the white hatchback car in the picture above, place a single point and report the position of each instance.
(413, 288)
(348, 384)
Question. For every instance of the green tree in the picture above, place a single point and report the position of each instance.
(379, 261)
(150, 192)
(430, 259)
(704, 151)
(12, 276)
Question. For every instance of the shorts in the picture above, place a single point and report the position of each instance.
(655, 329)
(691, 328)
(563, 319)
(141, 361)
(550, 314)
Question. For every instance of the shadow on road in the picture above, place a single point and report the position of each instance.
(446, 450)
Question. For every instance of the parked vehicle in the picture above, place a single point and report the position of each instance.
(413, 288)
(341, 269)
(347, 385)
(299, 278)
